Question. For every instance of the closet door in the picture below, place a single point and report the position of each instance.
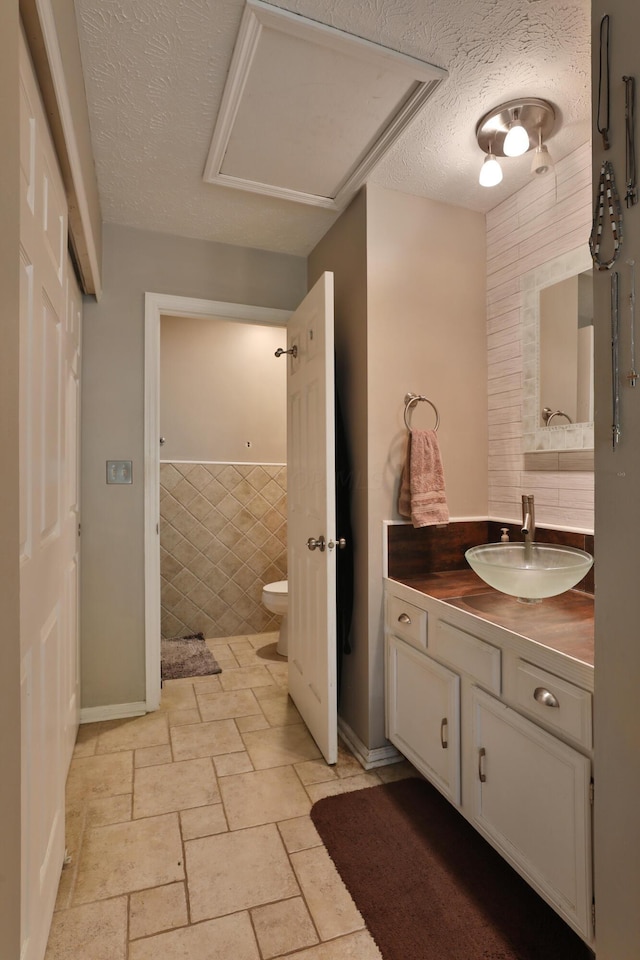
(49, 365)
(71, 515)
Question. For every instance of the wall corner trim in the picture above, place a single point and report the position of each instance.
(113, 711)
(378, 757)
(91, 266)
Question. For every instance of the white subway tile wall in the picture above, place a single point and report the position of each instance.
(545, 219)
(223, 535)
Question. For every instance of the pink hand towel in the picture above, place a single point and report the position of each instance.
(404, 494)
(422, 496)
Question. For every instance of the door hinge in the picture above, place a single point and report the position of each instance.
(79, 528)
(157, 528)
(591, 792)
(593, 915)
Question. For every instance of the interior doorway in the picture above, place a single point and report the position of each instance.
(156, 307)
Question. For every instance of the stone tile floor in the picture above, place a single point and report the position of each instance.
(189, 829)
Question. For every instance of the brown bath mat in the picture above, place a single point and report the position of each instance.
(427, 884)
(187, 657)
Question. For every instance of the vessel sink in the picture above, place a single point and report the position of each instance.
(529, 571)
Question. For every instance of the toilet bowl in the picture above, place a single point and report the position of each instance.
(275, 597)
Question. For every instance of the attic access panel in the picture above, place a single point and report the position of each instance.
(309, 110)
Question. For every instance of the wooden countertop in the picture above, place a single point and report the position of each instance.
(563, 623)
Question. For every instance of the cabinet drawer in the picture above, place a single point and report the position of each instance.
(407, 621)
(467, 653)
(558, 703)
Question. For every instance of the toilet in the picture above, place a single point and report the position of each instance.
(275, 597)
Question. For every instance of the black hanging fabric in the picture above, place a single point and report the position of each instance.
(344, 557)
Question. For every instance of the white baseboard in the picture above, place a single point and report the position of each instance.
(112, 711)
(378, 757)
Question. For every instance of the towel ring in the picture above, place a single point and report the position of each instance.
(410, 400)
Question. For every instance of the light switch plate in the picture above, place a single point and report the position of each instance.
(119, 471)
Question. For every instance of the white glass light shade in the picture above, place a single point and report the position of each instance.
(541, 162)
(490, 172)
(516, 141)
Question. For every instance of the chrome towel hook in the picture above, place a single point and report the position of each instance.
(410, 400)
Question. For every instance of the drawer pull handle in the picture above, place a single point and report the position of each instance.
(443, 733)
(404, 618)
(545, 697)
(481, 774)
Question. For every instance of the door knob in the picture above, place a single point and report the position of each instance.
(340, 544)
(320, 543)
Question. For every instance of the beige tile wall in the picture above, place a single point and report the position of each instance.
(222, 537)
(545, 219)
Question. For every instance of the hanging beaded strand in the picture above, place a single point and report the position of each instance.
(606, 187)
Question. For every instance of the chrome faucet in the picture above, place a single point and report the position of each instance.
(528, 518)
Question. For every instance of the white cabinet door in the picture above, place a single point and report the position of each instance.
(533, 802)
(423, 715)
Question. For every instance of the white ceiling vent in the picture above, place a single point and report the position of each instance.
(308, 110)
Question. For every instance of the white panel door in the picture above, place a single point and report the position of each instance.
(71, 514)
(311, 516)
(49, 378)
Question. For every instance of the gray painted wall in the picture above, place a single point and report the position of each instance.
(135, 262)
(617, 511)
(343, 250)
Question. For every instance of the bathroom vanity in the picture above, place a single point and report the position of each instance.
(491, 700)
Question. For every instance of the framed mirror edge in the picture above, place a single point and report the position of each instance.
(536, 439)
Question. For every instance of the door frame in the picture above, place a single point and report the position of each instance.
(155, 306)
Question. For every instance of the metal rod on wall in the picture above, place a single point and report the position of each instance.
(615, 360)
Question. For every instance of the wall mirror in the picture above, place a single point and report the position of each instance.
(558, 354)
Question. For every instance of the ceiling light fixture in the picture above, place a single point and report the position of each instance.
(490, 171)
(512, 129)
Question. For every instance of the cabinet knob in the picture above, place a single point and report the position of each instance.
(404, 618)
(545, 697)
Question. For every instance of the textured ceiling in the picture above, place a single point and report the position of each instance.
(155, 72)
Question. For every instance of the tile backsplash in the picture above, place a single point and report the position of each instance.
(416, 552)
(222, 537)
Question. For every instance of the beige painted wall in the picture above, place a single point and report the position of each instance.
(10, 868)
(426, 333)
(136, 262)
(398, 260)
(221, 387)
(617, 511)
